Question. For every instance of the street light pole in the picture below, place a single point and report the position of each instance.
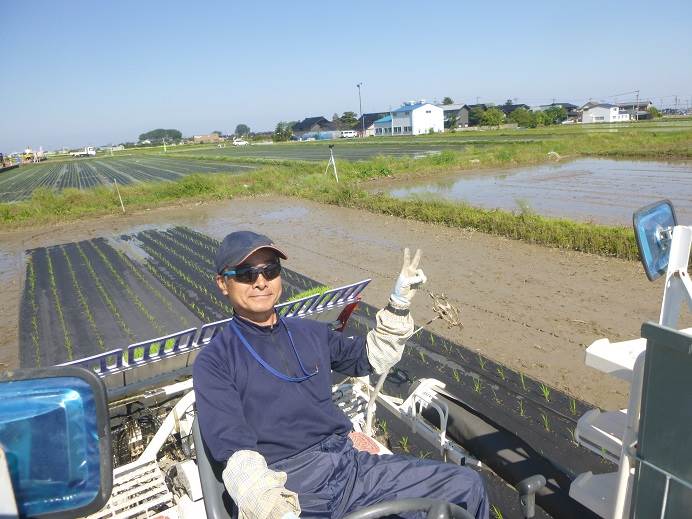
(360, 107)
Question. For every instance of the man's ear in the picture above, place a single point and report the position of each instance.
(221, 283)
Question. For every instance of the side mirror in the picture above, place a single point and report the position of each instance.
(653, 228)
(55, 450)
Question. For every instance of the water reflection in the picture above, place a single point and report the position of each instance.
(598, 190)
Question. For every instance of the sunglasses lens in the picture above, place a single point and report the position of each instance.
(250, 274)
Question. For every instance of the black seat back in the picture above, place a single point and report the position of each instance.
(217, 502)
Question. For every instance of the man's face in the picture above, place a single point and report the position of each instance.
(256, 298)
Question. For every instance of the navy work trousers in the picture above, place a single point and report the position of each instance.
(332, 479)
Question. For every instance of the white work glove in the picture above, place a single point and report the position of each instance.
(258, 491)
(409, 281)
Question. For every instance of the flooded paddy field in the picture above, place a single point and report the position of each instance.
(21, 182)
(597, 190)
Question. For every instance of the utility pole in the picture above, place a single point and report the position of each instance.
(360, 107)
(164, 145)
(636, 108)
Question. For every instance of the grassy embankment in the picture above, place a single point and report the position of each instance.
(307, 180)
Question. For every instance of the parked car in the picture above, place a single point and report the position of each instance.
(240, 142)
(348, 134)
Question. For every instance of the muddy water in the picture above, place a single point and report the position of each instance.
(598, 190)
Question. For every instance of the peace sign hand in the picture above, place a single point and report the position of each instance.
(410, 280)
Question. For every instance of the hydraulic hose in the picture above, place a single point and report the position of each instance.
(509, 457)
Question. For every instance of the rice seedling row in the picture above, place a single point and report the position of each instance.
(84, 298)
(20, 184)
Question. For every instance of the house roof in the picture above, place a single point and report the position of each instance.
(508, 109)
(308, 123)
(600, 105)
(368, 120)
(410, 107)
(386, 119)
(455, 107)
(471, 107)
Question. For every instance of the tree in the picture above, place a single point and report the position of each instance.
(475, 116)
(349, 119)
(217, 132)
(653, 112)
(242, 129)
(492, 117)
(452, 122)
(555, 115)
(282, 132)
(523, 118)
(159, 134)
(448, 101)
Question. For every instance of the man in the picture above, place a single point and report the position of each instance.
(263, 393)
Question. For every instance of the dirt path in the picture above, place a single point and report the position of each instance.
(532, 308)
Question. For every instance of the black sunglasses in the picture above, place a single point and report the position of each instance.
(250, 274)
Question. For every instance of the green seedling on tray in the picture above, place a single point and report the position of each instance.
(477, 385)
(501, 373)
(573, 435)
(522, 411)
(573, 406)
(58, 307)
(403, 444)
(523, 382)
(424, 454)
(481, 361)
(546, 422)
(495, 397)
(545, 391)
(422, 356)
(456, 376)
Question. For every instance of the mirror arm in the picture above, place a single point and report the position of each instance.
(8, 504)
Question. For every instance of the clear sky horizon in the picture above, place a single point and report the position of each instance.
(92, 73)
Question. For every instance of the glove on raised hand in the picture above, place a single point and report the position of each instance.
(408, 282)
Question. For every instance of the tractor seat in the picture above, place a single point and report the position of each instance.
(217, 503)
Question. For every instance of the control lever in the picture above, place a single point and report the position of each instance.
(527, 489)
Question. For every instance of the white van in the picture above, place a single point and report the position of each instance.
(348, 134)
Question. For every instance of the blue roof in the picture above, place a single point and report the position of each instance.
(385, 119)
(409, 108)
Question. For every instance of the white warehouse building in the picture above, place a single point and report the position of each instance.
(603, 113)
(412, 119)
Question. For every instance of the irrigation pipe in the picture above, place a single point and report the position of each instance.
(120, 197)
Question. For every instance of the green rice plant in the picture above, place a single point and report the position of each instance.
(546, 422)
(573, 406)
(424, 454)
(455, 374)
(497, 513)
(83, 302)
(477, 385)
(522, 411)
(309, 292)
(481, 361)
(31, 295)
(545, 391)
(383, 427)
(58, 307)
(495, 397)
(403, 444)
(126, 287)
(104, 294)
(431, 337)
(501, 373)
(423, 357)
(523, 382)
(573, 435)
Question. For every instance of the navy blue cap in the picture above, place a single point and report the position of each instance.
(237, 246)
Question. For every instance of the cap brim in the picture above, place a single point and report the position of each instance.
(275, 249)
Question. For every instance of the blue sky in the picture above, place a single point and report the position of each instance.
(77, 73)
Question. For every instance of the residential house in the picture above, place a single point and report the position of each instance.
(465, 119)
(416, 118)
(313, 125)
(636, 109)
(452, 114)
(603, 113)
(366, 123)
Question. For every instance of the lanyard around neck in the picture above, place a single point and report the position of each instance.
(264, 363)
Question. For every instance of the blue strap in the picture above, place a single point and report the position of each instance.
(264, 364)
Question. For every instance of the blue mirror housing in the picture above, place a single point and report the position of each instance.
(55, 434)
(653, 229)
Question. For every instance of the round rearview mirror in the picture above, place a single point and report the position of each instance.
(653, 229)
